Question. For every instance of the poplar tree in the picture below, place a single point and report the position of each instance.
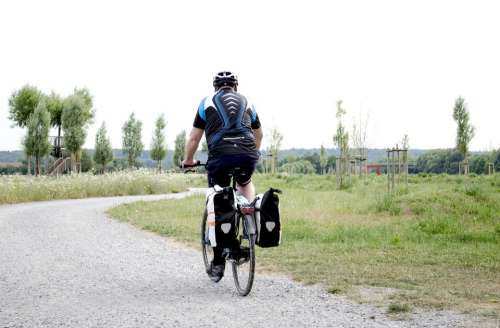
(180, 144)
(341, 137)
(465, 131)
(76, 116)
(103, 151)
(36, 141)
(341, 140)
(275, 140)
(132, 140)
(22, 104)
(323, 159)
(55, 106)
(158, 146)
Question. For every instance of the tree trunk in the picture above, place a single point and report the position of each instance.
(73, 163)
(29, 164)
(78, 161)
(466, 165)
(37, 165)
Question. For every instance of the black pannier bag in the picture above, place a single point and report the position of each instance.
(267, 217)
(221, 217)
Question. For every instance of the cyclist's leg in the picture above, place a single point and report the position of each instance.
(244, 177)
(247, 190)
(217, 175)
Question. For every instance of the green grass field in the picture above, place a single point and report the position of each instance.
(18, 188)
(434, 244)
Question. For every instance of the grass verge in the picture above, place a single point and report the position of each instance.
(17, 189)
(434, 244)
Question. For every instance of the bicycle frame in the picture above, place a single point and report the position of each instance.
(245, 213)
(248, 216)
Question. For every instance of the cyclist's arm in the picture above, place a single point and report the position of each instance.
(258, 137)
(256, 127)
(192, 144)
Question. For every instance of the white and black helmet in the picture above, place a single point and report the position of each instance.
(225, 78)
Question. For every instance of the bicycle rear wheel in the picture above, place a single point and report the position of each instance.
(206, 249)
(244, 269)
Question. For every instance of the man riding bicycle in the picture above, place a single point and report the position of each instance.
(234, 134)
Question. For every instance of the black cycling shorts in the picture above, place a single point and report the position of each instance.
(219, 170)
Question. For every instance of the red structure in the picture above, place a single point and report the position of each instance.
(374, 167)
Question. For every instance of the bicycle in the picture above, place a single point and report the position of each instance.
(241, 257)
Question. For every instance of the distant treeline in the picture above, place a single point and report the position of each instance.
(374, 154)
(421, 161)
(447, 161)
(303, 160)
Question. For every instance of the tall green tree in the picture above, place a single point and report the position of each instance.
(323, 159)
(37, 139)
(76, 117)
(55, 106)
(495, 158)
(86, 161)
(158, 145)
(275, 141)
(28, 146)
(180, 144)
(465, 131)
(85, 95)
(103, 152)
(22, 104)
(132, 140)
(341, 140)
(341, 137)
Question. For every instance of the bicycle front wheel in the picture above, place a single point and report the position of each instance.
(244, 268)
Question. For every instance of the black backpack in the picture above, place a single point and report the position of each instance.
(267, 215)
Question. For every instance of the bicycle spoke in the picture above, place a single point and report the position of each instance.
(243, 270)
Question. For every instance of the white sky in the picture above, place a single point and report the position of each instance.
(404, 62)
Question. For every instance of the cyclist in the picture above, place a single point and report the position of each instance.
(234, 135)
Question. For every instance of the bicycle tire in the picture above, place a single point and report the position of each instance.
(206, 249)
(245, 286)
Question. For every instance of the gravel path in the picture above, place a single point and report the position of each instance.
(65, 264)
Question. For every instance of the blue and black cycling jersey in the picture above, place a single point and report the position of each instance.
(228, 119)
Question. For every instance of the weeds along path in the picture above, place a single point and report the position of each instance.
(65, 264)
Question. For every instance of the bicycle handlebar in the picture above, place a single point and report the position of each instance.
(187, 167)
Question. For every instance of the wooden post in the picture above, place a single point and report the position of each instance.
(393, 160)
(337, 172)
(491, 168)
(399, 164)
(406, 166)
(388, 173)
